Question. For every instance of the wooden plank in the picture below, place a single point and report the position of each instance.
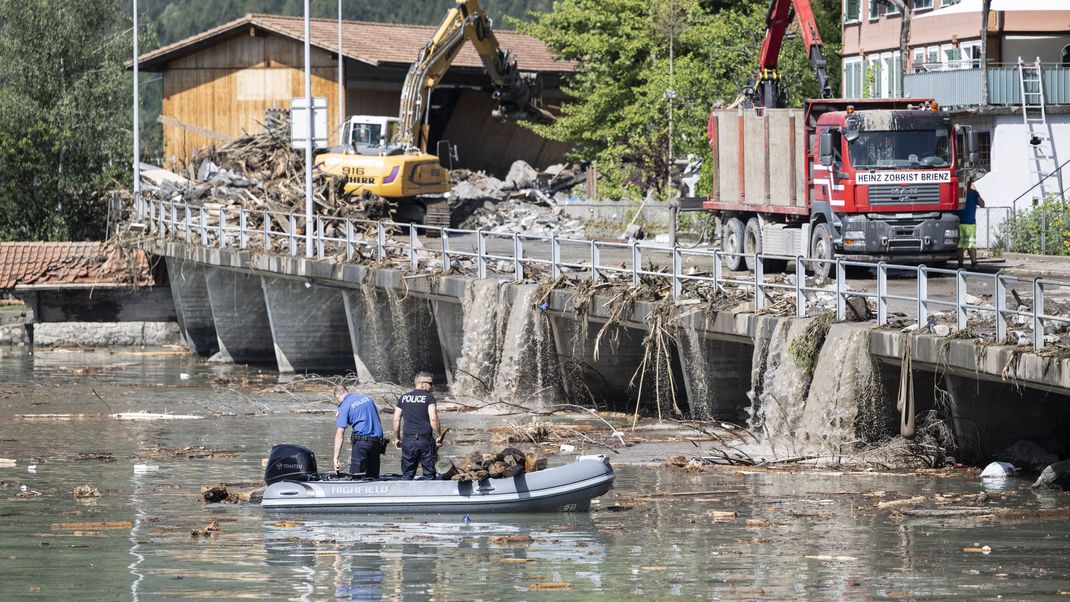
(781, 168)
(729, 163)
(802, 193)
(755, 158)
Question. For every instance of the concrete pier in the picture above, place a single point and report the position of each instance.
(190, 293)
(240, 316)
(308, 326)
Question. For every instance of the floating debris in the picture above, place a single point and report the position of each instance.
(153, 416)
(86, 491)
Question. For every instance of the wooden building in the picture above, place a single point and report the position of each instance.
(219, 83)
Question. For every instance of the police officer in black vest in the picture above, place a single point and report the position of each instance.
(421, 436)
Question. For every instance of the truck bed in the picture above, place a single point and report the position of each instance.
(759, 162)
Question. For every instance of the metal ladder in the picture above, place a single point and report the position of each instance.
(1035, 117)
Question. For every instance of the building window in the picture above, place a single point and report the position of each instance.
(852, 77)
(874, 9)
(984, 151)
(918, 62)
(923, 4)
(949, 2)
(851, 10)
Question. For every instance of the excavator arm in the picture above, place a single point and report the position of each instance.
(519, 96)
(768, 89)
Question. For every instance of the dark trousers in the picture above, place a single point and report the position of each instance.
(365, 459)
(418, 451)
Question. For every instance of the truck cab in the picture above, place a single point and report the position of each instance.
(883, 178)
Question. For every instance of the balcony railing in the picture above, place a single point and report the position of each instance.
(962, 88)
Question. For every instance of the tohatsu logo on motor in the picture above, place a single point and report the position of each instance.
(902, 177)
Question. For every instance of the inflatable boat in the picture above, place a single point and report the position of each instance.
(295, 485)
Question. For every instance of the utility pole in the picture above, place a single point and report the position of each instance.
(309, 135)
(137, 128)
(986, 8)
(671, 95)
(341, 80)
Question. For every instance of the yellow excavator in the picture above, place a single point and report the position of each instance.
(384, 161)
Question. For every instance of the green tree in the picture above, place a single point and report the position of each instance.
(618, 111)
(64, 116)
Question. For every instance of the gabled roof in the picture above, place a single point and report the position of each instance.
(377, 44)
(71, 263)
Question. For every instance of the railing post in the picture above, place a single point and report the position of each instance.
(718, 274)
(413, 263)
(960, 300)
(1038, 313)
(518, 258)
(882, 293)
(174, 219)
(380, 241)
(319, 237)
(445, 240)
(293, 235)
(349, 240)
(637, 262)
(677, 284)
(163, 222)
(203, 214)
(267, 231)
(1000, 292)
(841, 296)
(759, 276)
(187, 218)
(923, 296)
(222, 227)
(800, 281)
(555, 257)
(481, 254)
(243, 238)
(595, 258)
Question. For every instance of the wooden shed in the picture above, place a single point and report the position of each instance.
(219, 83)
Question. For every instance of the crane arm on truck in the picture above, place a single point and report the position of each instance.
(768, 90)
(519, 95)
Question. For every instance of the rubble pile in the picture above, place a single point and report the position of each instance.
(526, 202)
(259, 172)
(477, 466)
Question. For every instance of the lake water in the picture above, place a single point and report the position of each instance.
(795, 535)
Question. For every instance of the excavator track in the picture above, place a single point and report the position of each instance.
(438, 214)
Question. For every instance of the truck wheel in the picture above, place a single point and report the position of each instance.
(732, 242)
(821, 249)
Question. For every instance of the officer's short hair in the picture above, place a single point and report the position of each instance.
(423, 377)
(340, 390)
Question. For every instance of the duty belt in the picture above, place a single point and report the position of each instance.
(366, 438)
(419, 436)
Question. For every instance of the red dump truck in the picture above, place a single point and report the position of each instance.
(859, 179)
(870, 179)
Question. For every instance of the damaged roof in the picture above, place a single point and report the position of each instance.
(42, 264)
(377, 44)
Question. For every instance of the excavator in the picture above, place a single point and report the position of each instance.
(384, 161)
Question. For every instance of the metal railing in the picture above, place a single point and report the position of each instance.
(522, 256)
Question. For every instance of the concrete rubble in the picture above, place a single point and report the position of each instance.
(526, 202)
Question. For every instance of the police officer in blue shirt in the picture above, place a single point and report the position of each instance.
(359, 413)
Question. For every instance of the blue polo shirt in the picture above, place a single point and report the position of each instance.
(359, 411)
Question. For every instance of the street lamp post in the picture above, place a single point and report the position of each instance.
(309, 136)
(137, 128)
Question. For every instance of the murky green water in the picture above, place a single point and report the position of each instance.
(811, 535)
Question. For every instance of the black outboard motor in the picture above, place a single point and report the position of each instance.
(289, 462)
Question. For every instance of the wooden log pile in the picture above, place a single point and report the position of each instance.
(477, 466)
(259, 172)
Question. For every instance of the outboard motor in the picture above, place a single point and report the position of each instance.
(289, 462)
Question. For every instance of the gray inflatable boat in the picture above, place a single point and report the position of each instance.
(294, 485)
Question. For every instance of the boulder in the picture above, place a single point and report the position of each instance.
(521, 175)
(1055, 476)
(1028, 455)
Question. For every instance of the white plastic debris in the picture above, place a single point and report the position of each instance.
(999, 470)
(567, 449)
(31, 468)
(23, 488)
(183, 376)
